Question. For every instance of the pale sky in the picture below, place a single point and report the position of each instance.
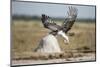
(53, 10)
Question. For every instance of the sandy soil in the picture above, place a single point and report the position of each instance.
(88, 57)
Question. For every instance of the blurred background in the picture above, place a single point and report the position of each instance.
(29, 10)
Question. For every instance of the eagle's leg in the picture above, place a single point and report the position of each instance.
(64, 36)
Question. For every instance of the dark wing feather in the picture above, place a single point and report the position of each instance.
(69, 21)
(48, 24)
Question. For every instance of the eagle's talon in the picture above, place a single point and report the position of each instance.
(66, 42)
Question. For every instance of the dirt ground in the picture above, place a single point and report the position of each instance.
(85, 57)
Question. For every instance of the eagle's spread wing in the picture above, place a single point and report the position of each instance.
(48, 24)
(67, 24)
(69, 21)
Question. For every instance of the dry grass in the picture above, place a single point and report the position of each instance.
(26, 37)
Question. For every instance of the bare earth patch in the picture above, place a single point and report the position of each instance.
(85, 57)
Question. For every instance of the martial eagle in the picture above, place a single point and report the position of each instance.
(66, 25)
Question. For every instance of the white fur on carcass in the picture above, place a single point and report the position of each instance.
(49, 44)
